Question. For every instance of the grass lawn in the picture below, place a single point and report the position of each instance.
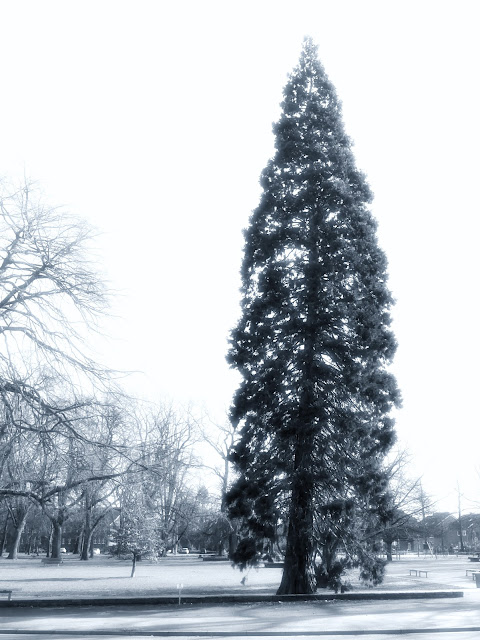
(106, 577)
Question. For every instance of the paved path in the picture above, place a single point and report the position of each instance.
(457, 618)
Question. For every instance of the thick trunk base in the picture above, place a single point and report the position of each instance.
(299, 566)
(297, 581)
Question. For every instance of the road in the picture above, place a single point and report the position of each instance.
(457, 618)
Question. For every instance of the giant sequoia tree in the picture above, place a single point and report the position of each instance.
(313, 342)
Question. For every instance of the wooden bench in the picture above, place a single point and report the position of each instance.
(9, 591)
(418, 572)
(474, 559)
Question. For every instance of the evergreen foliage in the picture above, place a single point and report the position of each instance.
(313, 342)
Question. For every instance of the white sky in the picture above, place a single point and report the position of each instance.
(153, 120)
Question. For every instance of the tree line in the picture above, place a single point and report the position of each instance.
(130, 479)
(73, 446)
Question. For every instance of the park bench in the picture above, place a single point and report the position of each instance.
(474, 558)
(474, 572)
(9, 591)
(418, 572)
(52, 561)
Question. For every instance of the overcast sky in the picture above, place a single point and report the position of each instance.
(153, 121)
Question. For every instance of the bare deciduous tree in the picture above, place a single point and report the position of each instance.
(50, 293)
(221, 438)
(51, 297)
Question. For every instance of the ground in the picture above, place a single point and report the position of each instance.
(446, 619)
(105, 577)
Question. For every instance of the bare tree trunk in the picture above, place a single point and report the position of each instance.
(29, 543)
(50, 542)
(13, 555)
(223, 506)
(79, 541)
(87, 535)
(57, 540)
(4, 539)
(87, 539)
(88, 532)
(460, 530)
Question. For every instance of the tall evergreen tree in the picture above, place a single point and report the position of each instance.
(313, 342)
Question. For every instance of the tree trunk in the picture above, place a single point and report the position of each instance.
(79, 542)
(57, 540)
(299, 567)
(326, 571)
(13, 555)
(50, 541)
(232, 543)
(86, 545)
(29, 544)
(223, 506)
(134, 565)
(87, 533)
(4, 539)
(389, 551)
